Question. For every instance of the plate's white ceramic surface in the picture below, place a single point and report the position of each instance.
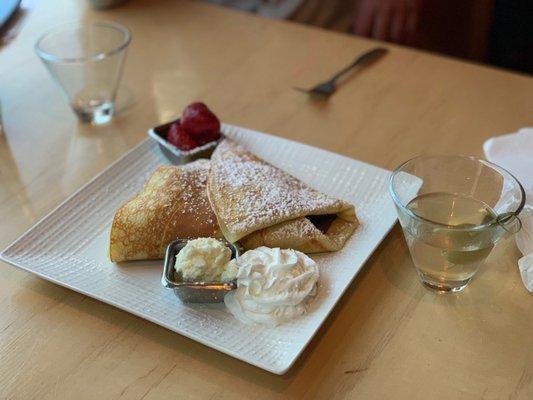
(69, 247)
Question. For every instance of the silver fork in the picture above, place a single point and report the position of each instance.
(327, 88)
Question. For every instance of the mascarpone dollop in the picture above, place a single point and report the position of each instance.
(203, 260)
(273, 285)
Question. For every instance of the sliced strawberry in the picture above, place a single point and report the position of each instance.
(179, 137)
(199, 121)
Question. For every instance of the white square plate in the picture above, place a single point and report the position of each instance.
(69, 247)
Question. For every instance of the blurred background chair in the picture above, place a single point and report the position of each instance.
(499, 32)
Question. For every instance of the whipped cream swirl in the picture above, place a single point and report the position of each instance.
(274, 286)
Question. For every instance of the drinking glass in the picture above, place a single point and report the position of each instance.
(87, 63)
(451, 224)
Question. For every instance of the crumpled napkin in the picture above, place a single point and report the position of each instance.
(514, 152)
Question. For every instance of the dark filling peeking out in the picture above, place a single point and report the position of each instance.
(322, 222)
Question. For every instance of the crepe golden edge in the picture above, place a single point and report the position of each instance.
(163, 211)
(291, 231)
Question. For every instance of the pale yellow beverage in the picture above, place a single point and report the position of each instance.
(463, 206)
(453, 252)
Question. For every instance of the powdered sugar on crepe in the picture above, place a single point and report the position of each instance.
(249, 194)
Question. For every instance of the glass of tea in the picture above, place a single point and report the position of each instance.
(87, 62)
(463, 207)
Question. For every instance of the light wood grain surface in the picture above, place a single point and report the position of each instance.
(388, 338)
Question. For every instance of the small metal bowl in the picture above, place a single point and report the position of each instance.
(194, 292)
(175, 155)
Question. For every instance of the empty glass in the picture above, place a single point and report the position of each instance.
(463, 207)
(87, 62)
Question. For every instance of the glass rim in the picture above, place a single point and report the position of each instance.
(491, 223)
(91, 57)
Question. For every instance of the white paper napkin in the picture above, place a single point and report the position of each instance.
(514, 152)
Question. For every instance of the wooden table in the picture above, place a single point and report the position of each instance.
(388, 338)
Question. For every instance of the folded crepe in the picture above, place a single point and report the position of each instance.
(258, 204)
(173, 204)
